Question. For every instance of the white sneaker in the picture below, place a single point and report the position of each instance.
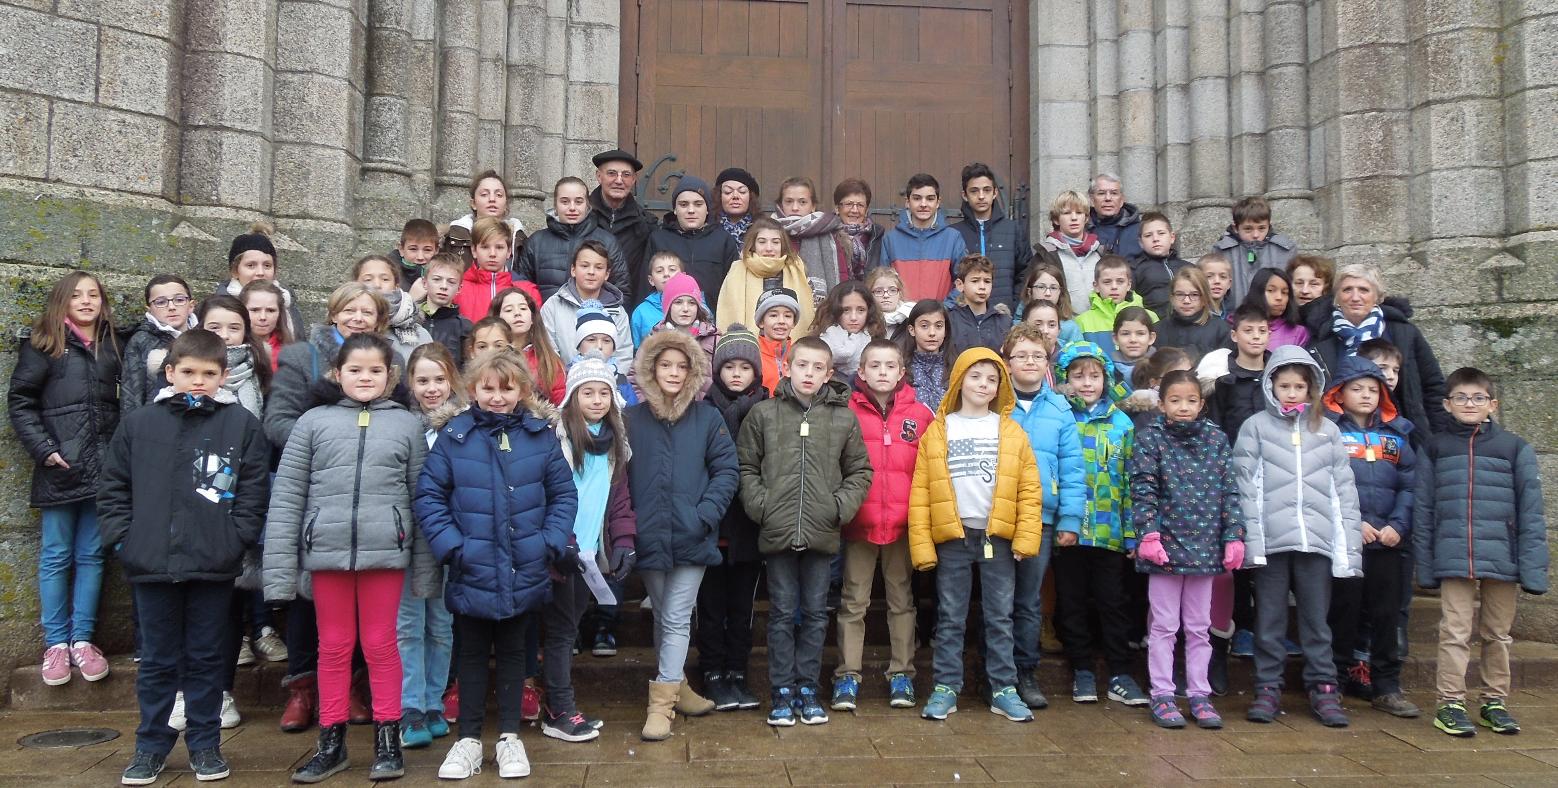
(230, 715)
(512, 760)
(176, 719)
(245, 653)
(463, 760)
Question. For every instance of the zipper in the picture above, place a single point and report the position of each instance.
(362, 443)
(1298, 487)
(1471, 487)
(800, 490)
(308, 533)
(400, 532)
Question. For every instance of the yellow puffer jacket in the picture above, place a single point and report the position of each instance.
(1017, 511)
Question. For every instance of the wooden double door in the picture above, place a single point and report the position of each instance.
(877, 89)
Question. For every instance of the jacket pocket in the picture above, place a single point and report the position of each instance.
(400, 530)
(308, 533)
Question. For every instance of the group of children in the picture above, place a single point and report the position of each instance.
(468, 453)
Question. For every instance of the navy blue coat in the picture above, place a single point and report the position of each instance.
(1383, 462)
(498, 518)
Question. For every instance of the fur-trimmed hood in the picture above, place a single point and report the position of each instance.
(670, 409)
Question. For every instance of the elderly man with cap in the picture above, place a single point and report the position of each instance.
(1116, 222)
(706, 250)
(619, 213)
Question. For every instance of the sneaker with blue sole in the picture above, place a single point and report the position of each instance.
(437, 724)
(812, 712)
(1006, 702)
(1242, 644)
(900, 690)
(943, 701)
(414, 733)
(782, 715)
(1084, 687)
(1124, 689)
(846, 692)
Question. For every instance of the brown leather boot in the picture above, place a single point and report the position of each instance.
(302, 703)
(359, 704)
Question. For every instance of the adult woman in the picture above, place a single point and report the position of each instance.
(737, 192)
(1358, 311)
(859, 238)
(252, 258)
(490, 197)
(548, 255)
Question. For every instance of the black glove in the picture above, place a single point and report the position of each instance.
(568, 562)
(622, 561)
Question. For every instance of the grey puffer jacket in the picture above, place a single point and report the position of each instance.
(342, 497)
(1296, 489)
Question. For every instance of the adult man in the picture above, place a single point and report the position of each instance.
(1116, 222)
(618, 211)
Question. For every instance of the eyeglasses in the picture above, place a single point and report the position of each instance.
(1186, 296)
(885, 291)
(1029, 358)
(1473, 399)
(1045, 288)
(856, 205)
(163, 302)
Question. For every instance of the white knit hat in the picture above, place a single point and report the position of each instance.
(586, 369)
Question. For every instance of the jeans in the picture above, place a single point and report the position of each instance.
(479, 638)
(424, 632)
(353, 606)
(1175, 599)
(1028, 603)
(179, 652)
(70, 541)
(955, 562)
(1089, 579)
(1308, 577)
(570, 597)
(797, 586)
(674, 594)
(725, 615)
(1374, 599)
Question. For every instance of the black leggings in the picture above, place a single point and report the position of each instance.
(478, 639)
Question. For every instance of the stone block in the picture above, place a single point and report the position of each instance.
(423, 22)
(1248, 164)
(596, 12)
(1287, 162)
(1459, 64)
(1531, 44)
(1531, 124)
(391, 14)
(1106, 75)
(1532, 203)
(221, 89)
(1369, 145)
(1137, 119)
(239, 27)
(1285, 35)
(1370, 211)
(1173, 174)
(1287, 96)
(1058, 22)
(1136, 60)
(1209, 167)
(1171, 53)
(1133, 15)
(1246, 44)
(1459, 202)
(1322, 90)
(24, 135)
(1106, 126)
(389, 62)
(529, 103)
(48, 55)
(527, 39)
(1426, 17)
(152, 17)
(592, 112)
(492, 34)
(1058, 175)
(314, 38)
(1139, 168)
(1060, 74)
(592, 54)
(311, 182)
(491, 87)
(489, 145)
(1360, 22)
(1371, 78)
(460, 74)
(1062, 129)
(385, 127)
(1208, 58)
(461, 18)
(1249, 105)
(456, 154)
(1467, 133)
(422, 76)
(1208, 108)
(108, 148)
(313, 109)
(522, 160)
(137, 72)
(219, 167)
(1173, 115)
(420, 136)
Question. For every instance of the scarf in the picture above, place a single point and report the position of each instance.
(1081, 247)
(764, 267)
(737, 229)
(1372, 327)
(859, 236)
(81, 335)
(404, 327)
(241, 380)
(809, 226)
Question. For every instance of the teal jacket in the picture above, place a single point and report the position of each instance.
(1108, 439)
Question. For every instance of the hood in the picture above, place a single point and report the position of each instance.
(1140, 401)
(1351, 368)
(610, 295)
(556, 226)
(664, 407)
(222, 396)
(833, 392)
(1284, 356)
(1083, 349)
(1129, 214)
(445, 413)
(1112, 308)
(997, 212)
(1230, 240)
(1005, 397)
(906, 225)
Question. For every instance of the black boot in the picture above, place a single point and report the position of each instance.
(387, 761)
(1217, 668)
(329, 758)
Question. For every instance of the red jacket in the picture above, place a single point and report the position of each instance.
(892, 442)
(478, 287)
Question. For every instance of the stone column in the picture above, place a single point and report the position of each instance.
(594, 33)
(535, 99)
(1137, 130)
(492, 85)
(1286, 36)
(384, 196)
(1061, 130)
(455, 161)
(1210, 167)
(1247, 59)
(1106, 92)
(1173, 144)
(421, 97)
(228, 54)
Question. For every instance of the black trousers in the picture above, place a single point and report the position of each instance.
(1243, 600)
(724, 635)
(1374, 598)
(478, 638)
(182, 631)
(1089, 580)
(570, 597)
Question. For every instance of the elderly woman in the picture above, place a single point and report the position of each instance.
(1357, 311)
(859, 238)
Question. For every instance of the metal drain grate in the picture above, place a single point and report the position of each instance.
(68, 737)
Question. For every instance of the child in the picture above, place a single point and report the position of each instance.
(1153, 269)
(1046, 281)
(685, 311)
(813, 233)
(776, 314)
(1312, 276)
(489, 334)
(341, 511)
(1250, 244)
(252, 258)
(975, 322)
(705, 250)
(1387, 357)
(64, 409)
(1143, 404)
(1045, 314)
(975, 501)
(444, 322)
(683, 455)
(804, 468)
(1300, 508)
(987, 231)
(1132, 341)
(1052, 434)
(1189, 323)
(594, 442)
(1090, 562)
(1076, 248)
(1111, 293)
(921, 247)
(1271, 292)
(405, 331)
(598, 339)
(728, 589)
(490, 200)
(847, 321)
(926, 344)
(1219, 279)
(169, 312)
(886, 288)
(1185, 505)
(547, 258)
(182, 537)
(418, 244)
(589, 286)
(519, 309)
(891, 422)
(424, 629)
(650, 311)
(264, 300)
(496, 494)
(1239, 394)
(1383, 466)
(488, 275)
(1477, 535)
(767, 263)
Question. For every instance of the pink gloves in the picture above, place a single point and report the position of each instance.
(1233, 555)
(1151, 548)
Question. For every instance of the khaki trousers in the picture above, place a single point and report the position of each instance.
(860, 560)
(1458, 605)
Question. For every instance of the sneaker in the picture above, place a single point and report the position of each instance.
(1267, 705)
(270, 646)
(530, 702)
(1325, 700)
(1165, 712)
(245, 653)
(568, 726)
(1028, 690)
(414, 734)
(463, 760)
(737, 681)
(812, 712)
(1358, 683)
(1205, 715)
(782, 715)
(1006, 703)
(1496, 718)
(437, 724)
(209, 764)
(718, 690)
(900, 691)
(230, 716)
(1395, 704)
(1292, 649)
(605, 644)
(144, 769)
(1242, 644)
(512, 760)
(846, 691)
(1451, 717)
(1124, 689)
(89, 659)
(56, 666)
(1084, 687)
(943, 701)
(176, 719)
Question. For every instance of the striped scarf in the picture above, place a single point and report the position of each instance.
(1371, 327)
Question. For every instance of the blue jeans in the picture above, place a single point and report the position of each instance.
(1028, 604)
(797, 587)
(424, 631)
(955, 562)
(70, 540)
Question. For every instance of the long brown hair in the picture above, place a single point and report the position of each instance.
(259, 354)
(283, 330)
(549, 365)
(764, 223)
(49, 333)
(828, 312)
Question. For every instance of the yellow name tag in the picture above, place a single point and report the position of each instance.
(503, 442)
(363, 418)
(1368, 454)
(805, 429)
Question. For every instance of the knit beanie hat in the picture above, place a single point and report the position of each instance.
(678, 286)
(739, 176)
(250, 242)
(737, 344)
(593, 320)
(588, 369)
(779, 296)
(690, 183)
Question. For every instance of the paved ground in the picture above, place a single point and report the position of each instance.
(1080, 745)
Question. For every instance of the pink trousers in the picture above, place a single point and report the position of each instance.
(1174, 599)
(353, 605)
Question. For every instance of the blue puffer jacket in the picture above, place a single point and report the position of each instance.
(1052, 432)
(1382, 460)
(498, 516)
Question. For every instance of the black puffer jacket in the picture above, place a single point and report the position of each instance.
(1176, 331)
(1419, 392)
(142, 375)
(1152, 278)
(706, 253)
(630, 225)
(738, 530)
(548, 256)
(69, 405)
(1005, 242)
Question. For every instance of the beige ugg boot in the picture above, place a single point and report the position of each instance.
(691, 703)
(662, 702)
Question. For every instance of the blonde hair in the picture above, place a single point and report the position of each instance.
(488, 226)
(1069, 199)
(881, 272)
(508, 366)
(1197, 279)
(351, 291)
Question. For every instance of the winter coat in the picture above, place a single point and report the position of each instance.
(450, 328)
(815, 238)
(478, 288)
(846, 349)
(1184, 488)
(1296, 489)
(1005, 243)
(1118, 234)
(631, 226)
(298, 366)
(804, 469)
(860, 263)
(560, 316)
(1197, 340)
(185, 489)
(1237, 396)
(1052, 434)
(737, 529)
(621, 523)
(1420, 391)
(928, 376)
(548, 256)
(966, 329)
(646, 316)
(1284, 333)
(706, 253)
(892, 442)
(1016, 504)
(1245, 259)
(753, 276)
(923, 257)
(1108, 437)
(1478, 509)
(1152, 278)
(775, 357)
(497, 501)
(1078, 270)
(1097, 323)
(142, 376)
(342, 497)
(67, 404)
(683, 472)
(1384, 465)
